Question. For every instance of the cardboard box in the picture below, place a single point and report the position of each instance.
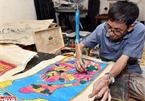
(49, 40)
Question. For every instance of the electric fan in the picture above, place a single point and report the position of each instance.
(77, 18)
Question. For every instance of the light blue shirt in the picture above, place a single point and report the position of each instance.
(131, 45)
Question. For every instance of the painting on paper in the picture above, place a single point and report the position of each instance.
(4, 67)
(58, 78)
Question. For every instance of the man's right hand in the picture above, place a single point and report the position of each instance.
(81, 65)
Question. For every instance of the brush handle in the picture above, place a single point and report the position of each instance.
(78, 49)
(83, 61)
(77, 18)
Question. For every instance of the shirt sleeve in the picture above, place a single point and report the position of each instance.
(94, 38)
(135, 44)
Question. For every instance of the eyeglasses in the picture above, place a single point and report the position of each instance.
(115, 32)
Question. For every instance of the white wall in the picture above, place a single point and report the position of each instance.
(16, 10)
(141, 5)
(142, 10)
(105, 3)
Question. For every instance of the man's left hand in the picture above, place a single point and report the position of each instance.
(101, 89)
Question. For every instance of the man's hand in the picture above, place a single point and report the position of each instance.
(81, 65)
(101, 89)
(80, 62)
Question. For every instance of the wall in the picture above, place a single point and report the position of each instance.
(105, 3)
(141, 5)
(16, 10)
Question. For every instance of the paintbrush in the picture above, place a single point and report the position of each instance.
(80, 53)
(84, 64)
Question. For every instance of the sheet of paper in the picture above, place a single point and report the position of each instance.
(21, 32)
(56, 79)
(13, 59)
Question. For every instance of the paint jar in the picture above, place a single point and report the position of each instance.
(91, 53)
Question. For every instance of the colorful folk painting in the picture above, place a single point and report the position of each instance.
(3, 93)
(57, 82)
(4, 67)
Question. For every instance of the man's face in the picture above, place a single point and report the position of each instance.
(116, 30)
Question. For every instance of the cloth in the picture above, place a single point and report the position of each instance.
(120, 85)
(136, 86)
(131, 45)
(131, 84)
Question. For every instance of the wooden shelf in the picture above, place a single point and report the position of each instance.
(100, 17)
